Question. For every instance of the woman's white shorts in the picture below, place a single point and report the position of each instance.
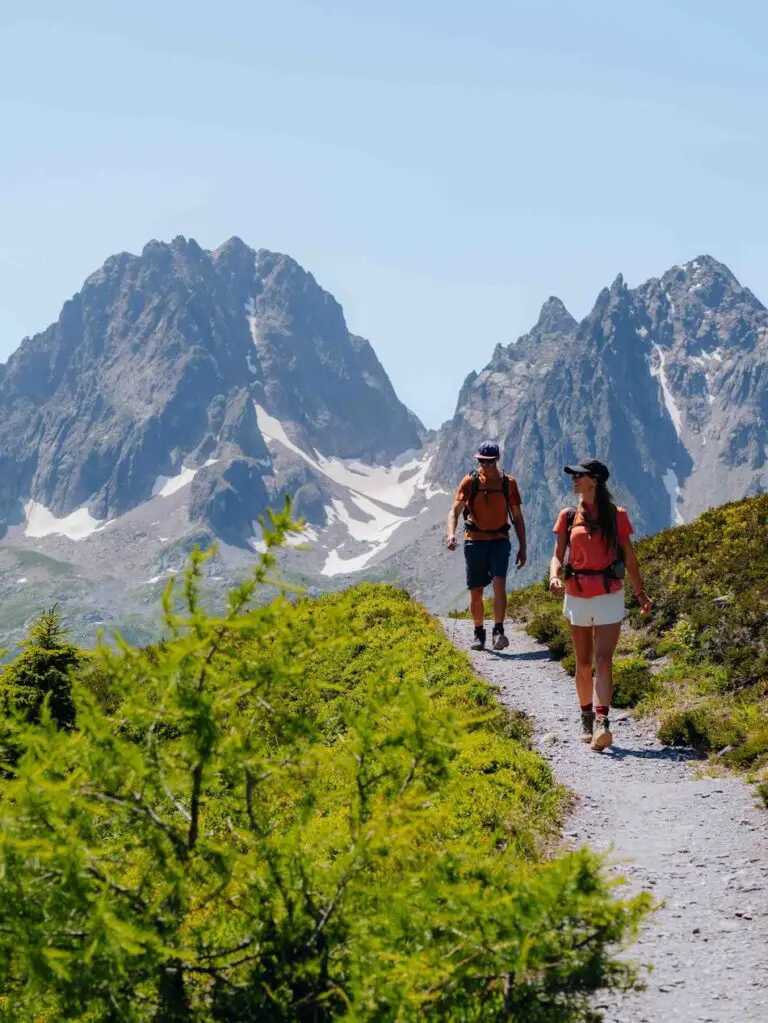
(607, 609)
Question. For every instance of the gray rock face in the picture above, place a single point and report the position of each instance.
(667, 383)
(157, 364)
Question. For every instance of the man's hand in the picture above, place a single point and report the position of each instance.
(556, 587)
(522, 557)
(450, 543)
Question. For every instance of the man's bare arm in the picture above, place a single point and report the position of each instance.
(450, 527)
(519, 523)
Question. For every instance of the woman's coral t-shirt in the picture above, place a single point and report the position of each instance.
(588, 551)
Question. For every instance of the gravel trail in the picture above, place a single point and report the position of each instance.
(698, 844)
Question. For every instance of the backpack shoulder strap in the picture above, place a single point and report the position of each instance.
(474, 484)
(619, 551)
(569, 522)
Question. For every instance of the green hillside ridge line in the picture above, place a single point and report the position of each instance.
(307, 810)
(699, 664)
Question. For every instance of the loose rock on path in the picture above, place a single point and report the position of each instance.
(699, 844)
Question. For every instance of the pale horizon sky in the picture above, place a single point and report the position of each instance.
(440, 168)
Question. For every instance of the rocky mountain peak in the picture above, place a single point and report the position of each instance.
(554, 318)
(162, 364)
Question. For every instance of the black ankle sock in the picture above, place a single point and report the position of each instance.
(498, 628)
(479, 630)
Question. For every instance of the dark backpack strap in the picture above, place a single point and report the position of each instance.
(474, 486)
(571, 517)
(619, 551)
(505, 488)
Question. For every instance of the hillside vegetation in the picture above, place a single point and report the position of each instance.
(700, 661)
(304, 811)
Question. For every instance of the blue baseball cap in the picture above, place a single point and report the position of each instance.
(487, 452)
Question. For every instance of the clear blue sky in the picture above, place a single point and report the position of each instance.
(441, 167)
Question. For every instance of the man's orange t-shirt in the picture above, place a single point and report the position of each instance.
(588, 551)
(489, 507)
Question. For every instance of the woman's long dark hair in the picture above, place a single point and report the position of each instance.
(606, 516)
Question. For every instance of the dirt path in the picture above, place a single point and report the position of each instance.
(698, 844)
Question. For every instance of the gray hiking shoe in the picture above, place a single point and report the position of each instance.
(478, 643)
(499, 640)
(601, 734)
(587, 725)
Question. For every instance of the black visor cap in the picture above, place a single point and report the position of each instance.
(589, 467)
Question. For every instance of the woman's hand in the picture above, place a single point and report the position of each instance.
(556, 587)
(644, 601)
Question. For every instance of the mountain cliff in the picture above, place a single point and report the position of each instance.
(158, 368)
(667, 383)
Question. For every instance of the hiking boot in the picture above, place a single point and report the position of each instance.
(601, 734)
(499, 640)
(478, 643)
(587, 725)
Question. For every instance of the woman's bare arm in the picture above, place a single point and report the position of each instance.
(556, 564)
(633, 571)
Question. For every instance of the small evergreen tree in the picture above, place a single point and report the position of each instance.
(42, 670)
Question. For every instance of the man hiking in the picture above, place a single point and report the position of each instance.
(488, 499)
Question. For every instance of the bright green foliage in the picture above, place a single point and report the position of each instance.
(632, 681)
(709, 584)
(298, 812)
(42, 672)
(713, 574)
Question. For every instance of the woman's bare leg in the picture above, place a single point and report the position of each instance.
(606, 638)
(582, 648)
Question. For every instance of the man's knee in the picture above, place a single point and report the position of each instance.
(603, 660)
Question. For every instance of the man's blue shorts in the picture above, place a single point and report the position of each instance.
(485, 559)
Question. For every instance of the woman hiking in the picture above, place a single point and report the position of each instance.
(597, 533)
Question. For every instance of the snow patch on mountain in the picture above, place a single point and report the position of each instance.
(76, 526)
(672, 486)
(370, 502)
(669, 400)
(164, 486)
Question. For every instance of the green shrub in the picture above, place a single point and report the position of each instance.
(762, 791)
(632, 681)
(706, 726)
(42, 673)
(298, 812)
(548, 626)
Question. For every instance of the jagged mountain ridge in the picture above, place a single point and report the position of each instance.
(183, 391)
(666, 382)
(158, 365)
